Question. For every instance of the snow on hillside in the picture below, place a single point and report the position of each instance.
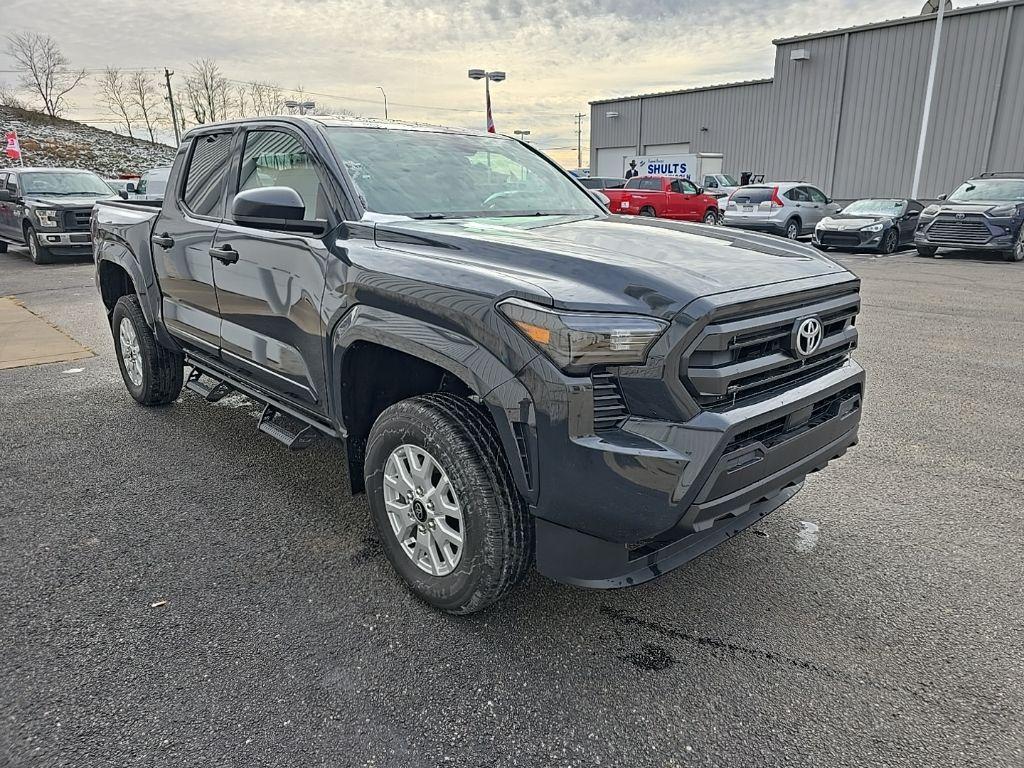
(49, 142)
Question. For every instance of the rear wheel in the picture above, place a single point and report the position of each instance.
(890, 241)
(792, 229)
(36, 252)
(444, 503)
(1017, 254)
(647, 211)
(711, 217)
(152, 373)
(926, 251)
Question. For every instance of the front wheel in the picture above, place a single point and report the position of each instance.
(153, 374)
(711, 217)
(1017, 254)
(890, 242)
(444, 503)
(927, 251)
(36, 252)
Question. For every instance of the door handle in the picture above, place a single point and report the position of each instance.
(165, 241)
(225, 254)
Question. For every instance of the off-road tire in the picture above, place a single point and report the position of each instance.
(163, 369)
(792, 230)
(498, 530)
(926, 251)
(37, 253)
(890, 242)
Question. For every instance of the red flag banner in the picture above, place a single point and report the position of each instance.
(13, 147)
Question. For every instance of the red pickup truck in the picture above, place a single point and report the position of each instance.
(667, 197)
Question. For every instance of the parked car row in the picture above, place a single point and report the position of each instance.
(984, 213)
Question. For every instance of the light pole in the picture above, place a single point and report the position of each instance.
(488, 78)
(381, 89)
(301, 106)
(522, 135)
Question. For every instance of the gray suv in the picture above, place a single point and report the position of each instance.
(788, 208)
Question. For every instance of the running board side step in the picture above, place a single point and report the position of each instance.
(282, 429)
(209, 392)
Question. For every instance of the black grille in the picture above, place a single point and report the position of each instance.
(777, 431)
(77, 219)
(609, 407)
(740, 356)
(970, 230)
(839, 238)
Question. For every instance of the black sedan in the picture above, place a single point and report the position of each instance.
(877, 224)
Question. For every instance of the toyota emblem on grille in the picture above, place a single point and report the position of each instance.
(807, 335)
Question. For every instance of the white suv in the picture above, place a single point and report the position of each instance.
(788, 208)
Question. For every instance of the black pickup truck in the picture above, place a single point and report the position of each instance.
(518, 376)
(48, 209)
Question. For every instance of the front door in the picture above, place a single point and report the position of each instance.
(182, 239)
(270, 288)
(684, 203)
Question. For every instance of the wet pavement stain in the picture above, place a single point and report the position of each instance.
(651, 657)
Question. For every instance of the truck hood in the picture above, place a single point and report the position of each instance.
(975, 207)
(613, 263)
(63, 202)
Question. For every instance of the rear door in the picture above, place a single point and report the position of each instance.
(182, 238)
(270, 289)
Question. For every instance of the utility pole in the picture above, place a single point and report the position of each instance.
(170, 99)
(927, 112)
(579, 139)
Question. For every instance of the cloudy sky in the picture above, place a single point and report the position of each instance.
(559, 54)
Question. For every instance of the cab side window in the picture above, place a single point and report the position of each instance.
(710, 182)
(207, 172)
(12, 185)
(278, 159)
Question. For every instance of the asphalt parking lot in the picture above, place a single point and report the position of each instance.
(180, 590)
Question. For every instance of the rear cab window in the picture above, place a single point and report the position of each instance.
(203, 191)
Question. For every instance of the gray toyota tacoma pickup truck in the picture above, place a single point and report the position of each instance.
(518, 377)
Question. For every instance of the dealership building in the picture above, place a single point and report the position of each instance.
(845, 108)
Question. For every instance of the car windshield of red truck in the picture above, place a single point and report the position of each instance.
(427, 174)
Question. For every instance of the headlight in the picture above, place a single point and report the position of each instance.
(821, 224)
(931, 210)
(873, 227)
(1003, 210)
(578, 341)
(47, 217)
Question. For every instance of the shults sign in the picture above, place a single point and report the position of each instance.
(664, 165)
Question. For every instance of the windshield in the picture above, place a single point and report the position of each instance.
(153, 182)
(876, 208)
(989, 191)
(64, 183)
(726, 180)
(440, 175)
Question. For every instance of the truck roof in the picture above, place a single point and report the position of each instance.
(352, 122)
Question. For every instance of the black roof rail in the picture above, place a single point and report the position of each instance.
(1002, 175)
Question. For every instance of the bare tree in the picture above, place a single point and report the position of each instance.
(146, 100)
(266, 99)
(116, 93)
(8, 98)
(208, 92)
(45, 69)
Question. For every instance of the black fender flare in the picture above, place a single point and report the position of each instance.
(487, 377)
(116, 252)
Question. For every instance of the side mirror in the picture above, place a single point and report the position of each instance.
(279, 208)
(123, 194)
(943, 196)
(700, 190)
(130, 186)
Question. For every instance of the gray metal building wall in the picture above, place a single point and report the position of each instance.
(849, 118)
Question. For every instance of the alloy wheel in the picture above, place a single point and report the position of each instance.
(792, 231)
(131, 352)
(423, 509)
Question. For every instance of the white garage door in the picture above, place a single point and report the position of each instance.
(611, 161)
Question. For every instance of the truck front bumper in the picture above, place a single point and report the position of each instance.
(630, 504)
(65, 243)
